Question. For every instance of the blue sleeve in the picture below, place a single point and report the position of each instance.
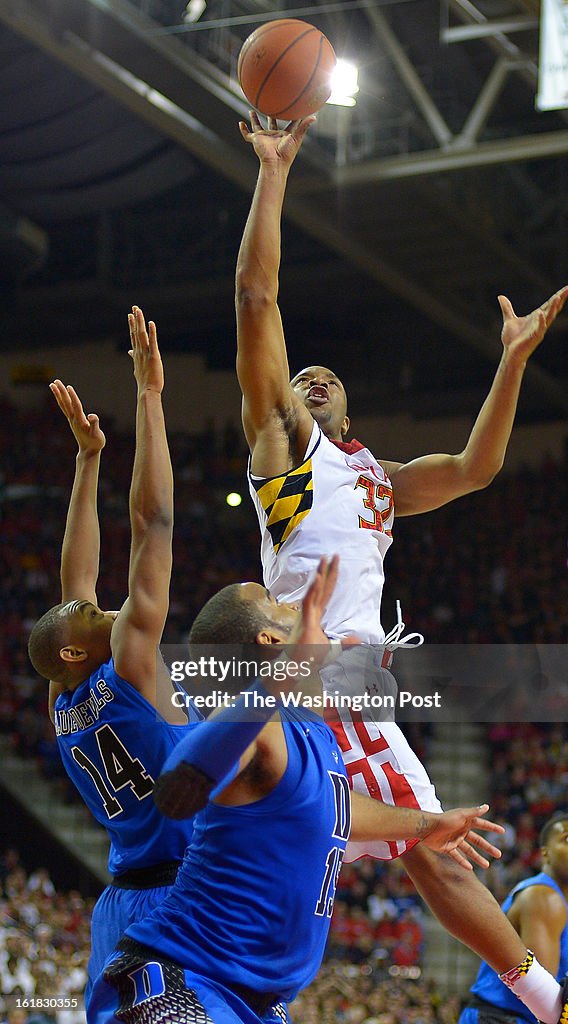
(209, 755)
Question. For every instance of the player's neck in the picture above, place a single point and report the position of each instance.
(88, 668)
(330, 435)
(562, 885)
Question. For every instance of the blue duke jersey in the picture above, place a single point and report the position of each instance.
(253, 899)
(113, 744)
(339, 500)
(487, 985)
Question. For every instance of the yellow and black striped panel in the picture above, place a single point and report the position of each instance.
(286, 499)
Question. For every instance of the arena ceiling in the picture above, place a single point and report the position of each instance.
(124, 179)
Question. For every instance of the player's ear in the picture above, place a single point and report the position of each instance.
(345, 426)
(73, 655)
(269, 636)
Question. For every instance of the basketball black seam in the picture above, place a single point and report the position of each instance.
(307, 85)
(253, 42)
(277, 62)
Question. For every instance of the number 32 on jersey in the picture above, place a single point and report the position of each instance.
(379, 500)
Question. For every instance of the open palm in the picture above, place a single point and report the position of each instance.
(521, 335)
(86, 428)
(272, 144)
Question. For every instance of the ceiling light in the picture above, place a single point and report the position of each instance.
(194, 10)
(344, 84)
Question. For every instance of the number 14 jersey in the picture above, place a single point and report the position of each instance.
(339, 500)
(113, 744)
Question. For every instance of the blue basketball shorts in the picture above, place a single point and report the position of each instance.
(489, 1015)
(115, 910)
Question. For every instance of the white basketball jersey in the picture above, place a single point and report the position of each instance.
(338, 501)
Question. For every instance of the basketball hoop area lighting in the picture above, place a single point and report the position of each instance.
(344, 84)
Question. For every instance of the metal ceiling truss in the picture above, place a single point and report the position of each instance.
(59, 28)
(116, 46)
(463, 149)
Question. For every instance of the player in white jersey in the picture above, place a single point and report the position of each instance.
(342, 489)
(304, 515)
(329, 489)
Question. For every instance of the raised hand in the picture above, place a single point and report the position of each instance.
(273, 145)
(454, 834)
(307, 630)
(86, 428)
(307, 639)
(145, 354)
(521, 335)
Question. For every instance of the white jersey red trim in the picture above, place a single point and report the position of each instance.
(380, 763)
(339, 500)
(334, 501)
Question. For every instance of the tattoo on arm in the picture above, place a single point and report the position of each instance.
(424, 827)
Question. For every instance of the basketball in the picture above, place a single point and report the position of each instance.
(285, 67)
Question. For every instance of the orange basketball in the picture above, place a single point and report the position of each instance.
(285, 68)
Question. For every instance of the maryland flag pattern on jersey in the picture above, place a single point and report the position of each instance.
(286, 500)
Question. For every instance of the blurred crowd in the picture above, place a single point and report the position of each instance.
(490, 568)
(44, 947)
(529, 777)
(347, 994)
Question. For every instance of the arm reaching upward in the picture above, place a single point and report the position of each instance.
(79, 568)
(433, 480)
(81, 542)
(138, 629)
(274, 419)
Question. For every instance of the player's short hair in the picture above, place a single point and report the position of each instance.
(546, 830)
(46, 640)
(227, 618)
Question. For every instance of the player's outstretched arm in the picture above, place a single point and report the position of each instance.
(138, 629)
(429, 482)
(211, 759)
(450, 832)
(271, 411)
(79, 568)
